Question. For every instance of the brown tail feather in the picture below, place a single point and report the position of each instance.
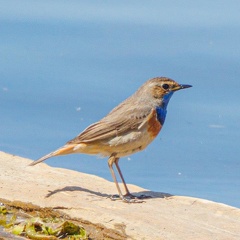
(67, 149)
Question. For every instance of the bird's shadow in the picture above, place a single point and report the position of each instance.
(149, 194)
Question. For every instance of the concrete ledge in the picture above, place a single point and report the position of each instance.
(85, 197)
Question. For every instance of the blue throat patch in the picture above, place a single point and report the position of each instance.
(162, 110)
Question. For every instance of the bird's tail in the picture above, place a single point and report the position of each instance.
(67, 149)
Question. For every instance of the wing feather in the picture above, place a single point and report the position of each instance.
(114, 124)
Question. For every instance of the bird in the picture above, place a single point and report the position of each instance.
(129, 128)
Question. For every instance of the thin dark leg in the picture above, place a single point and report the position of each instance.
(120, 174)
(128, 194)
(111, 160)
(129, 198)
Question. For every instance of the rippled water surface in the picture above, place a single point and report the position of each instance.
(65, 64)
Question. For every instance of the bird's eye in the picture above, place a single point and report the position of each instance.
(165, 86)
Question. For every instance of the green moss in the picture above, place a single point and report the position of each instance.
(3, 209)
(41, 228)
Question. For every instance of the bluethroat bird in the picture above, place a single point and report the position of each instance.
(127, 129)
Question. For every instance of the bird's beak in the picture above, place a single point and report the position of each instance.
(181, 86)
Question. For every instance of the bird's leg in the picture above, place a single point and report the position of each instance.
(123, 181)
(128, 194)
(111, 160)
(128, 197)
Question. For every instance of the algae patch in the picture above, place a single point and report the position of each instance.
(39, 228)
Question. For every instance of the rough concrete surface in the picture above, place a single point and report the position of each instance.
(86, 197)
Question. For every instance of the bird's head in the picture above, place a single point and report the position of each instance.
(162, 86)
(159, 90)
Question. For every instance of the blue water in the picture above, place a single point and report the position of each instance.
(65, 64)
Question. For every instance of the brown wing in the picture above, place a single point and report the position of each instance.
(114, 124)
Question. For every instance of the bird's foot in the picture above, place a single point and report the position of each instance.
(137, 197)
(129, 198)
